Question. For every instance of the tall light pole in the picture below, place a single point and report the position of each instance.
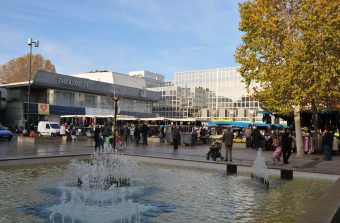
(115, 100)
(36, 44)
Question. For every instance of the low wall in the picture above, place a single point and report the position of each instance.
(38, 139)
(43, 160)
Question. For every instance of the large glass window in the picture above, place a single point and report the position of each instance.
(224, 89)
(65, 98)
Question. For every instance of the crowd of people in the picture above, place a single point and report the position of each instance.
(135, 133)
(281, 141)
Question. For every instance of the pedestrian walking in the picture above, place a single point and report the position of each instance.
(247, 134)
(126, 134)
(145, 130)
(327, 141)
(256, 137)
(137, 134)
(132, 133)
(175, 136)
(96, 137)
(286, 144)
(228, 139)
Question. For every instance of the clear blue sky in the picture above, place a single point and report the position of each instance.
(162, 36)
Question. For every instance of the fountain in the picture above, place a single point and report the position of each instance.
(104, 185)
(259, 172)
(157, 193)
(104, 170)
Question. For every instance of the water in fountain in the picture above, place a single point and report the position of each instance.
(103, 191)
(259, 170)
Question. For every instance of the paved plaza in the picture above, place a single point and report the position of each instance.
(241, 156)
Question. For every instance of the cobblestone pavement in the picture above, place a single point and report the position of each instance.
(241, 156)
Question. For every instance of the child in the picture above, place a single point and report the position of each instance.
(278, 150)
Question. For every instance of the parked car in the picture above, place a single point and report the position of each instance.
(5, 133)
(48, 128)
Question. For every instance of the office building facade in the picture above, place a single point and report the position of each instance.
(54, 95)
(179, 102)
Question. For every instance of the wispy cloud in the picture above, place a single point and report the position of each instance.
(122, 35)
(64, 58)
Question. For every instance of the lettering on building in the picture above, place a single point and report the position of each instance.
(73, 82)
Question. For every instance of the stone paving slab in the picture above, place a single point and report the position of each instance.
(241, 155)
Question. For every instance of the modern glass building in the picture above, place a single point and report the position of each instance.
(180, 102)
(209, 94)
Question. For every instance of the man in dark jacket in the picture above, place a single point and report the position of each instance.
(175, 136)
(228, 138)
(137, 133)
(286, 143)
(256, 138)
(327, 141)
(145, 130)
(96, 137)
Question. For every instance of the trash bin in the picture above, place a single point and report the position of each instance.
(186, 138)
(168, 138)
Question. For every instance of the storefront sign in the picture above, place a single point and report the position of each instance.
(73, 82)
(221, 120)
(43, 109)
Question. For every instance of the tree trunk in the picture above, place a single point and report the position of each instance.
(316, 127)
(297, 122)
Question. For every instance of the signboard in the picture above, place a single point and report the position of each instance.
(43, 109)
(77, 83)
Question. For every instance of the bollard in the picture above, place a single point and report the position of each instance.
(231, 169)
(286, 174)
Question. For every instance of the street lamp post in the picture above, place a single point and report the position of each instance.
(36, 44)
(115, 100)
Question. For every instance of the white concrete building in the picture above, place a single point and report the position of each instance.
(113, 78)
(152, 79)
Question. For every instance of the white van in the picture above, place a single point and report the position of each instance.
(48, 128)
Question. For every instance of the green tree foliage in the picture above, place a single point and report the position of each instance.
(17, 70)
(290, 53)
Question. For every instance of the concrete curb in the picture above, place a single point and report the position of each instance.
(326, 209)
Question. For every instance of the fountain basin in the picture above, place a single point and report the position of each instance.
(166, 193)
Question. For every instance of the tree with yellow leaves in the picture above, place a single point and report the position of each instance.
(290, 51)
(17, 70)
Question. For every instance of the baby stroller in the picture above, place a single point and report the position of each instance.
(215, 151)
